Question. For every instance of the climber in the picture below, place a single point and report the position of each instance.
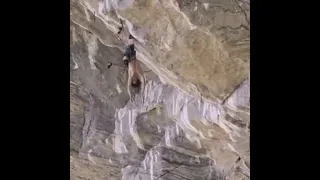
(136, 76)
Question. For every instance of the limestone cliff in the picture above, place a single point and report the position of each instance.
(195, 120)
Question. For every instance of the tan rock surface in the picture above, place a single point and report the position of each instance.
(194, 49)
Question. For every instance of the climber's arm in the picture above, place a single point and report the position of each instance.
(128, 88)
(130, 74)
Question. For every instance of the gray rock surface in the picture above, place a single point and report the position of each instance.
(194, 122)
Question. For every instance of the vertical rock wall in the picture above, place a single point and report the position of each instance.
(195, 120)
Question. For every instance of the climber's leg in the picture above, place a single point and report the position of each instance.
(127, 55)
(130, 52)
(126, 59)
(120, 28)
(131, 45)
(131, 42)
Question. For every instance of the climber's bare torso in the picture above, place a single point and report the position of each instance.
(135, 77)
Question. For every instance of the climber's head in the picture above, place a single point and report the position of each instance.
(135, 82)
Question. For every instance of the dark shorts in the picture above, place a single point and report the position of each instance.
(130, 52)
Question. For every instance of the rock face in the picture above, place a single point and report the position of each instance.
(194, 122)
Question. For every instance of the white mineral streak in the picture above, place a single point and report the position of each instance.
(195, 118)
(151, 165)
(240, 98)
(91, 41)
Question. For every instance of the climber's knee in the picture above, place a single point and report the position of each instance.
(125, 60)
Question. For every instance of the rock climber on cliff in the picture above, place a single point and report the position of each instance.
(136, 78)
